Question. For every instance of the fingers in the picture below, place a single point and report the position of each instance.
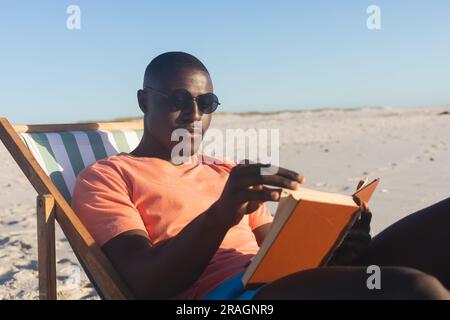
(365, 206)
(272, 180)
(366, 218)
(246, 175)
(266, 194)
(363, 223)
(255, 169)
(255, 205)
(361, 183)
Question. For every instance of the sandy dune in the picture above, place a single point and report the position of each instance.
(407, 148)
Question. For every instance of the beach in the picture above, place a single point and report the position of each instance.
(408, 148)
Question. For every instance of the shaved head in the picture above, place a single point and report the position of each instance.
(164, 67)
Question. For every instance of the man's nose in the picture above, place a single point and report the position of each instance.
(193, 112)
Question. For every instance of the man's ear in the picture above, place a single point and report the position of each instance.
(142, 101)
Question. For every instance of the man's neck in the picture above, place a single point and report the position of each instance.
(150, 148)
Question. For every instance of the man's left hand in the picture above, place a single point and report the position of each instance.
(355, 243)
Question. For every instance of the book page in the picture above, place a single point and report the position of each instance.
(319, 196)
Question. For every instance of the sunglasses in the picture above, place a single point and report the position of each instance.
(181, 99)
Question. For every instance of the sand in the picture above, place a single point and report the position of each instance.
(407, 148)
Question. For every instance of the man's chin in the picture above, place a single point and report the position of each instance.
(194, 150)
(182, 155)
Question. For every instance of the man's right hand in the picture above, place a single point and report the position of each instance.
(244, 191)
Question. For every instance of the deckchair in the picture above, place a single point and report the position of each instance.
(51, 156)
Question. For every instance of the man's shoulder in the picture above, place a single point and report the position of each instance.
(110, 165)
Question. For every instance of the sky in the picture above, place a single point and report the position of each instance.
(262, 55)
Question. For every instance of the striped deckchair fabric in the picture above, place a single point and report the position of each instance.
(63, 155)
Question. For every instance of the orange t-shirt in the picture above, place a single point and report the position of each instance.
(123, 193)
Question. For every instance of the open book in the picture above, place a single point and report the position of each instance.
(308, 226)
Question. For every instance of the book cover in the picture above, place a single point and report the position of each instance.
(308, 226)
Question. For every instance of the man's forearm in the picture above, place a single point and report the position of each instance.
(175, 265)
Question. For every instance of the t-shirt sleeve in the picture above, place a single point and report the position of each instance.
(101, 200)
(260, 217)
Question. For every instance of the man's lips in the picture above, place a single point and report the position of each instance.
(192, 130)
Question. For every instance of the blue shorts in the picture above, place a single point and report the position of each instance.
(232, 289)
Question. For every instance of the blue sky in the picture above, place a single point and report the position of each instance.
(263, 55)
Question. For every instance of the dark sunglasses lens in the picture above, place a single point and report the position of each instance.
(179, 99)
(208, 103)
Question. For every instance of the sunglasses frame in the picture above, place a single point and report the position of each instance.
(168, 96)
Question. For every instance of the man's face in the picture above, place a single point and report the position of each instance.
(160, 118)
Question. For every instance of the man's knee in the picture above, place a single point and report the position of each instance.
(444, 203)
(414, 284)
(447, 202)
(426, 286)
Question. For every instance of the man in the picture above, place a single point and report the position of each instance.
(189, 230)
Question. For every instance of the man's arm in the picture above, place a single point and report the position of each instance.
(169, 268)
(145, 268)
(165, 270)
